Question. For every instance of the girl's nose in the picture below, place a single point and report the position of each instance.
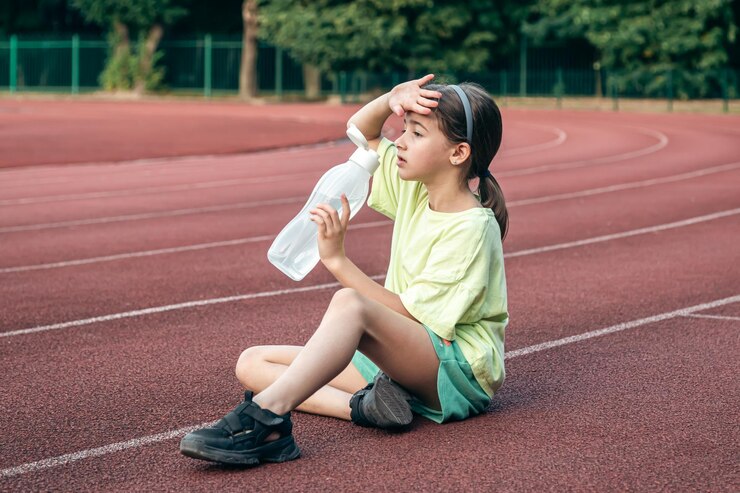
(399, 140)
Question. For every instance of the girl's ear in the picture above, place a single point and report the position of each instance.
(460, 153)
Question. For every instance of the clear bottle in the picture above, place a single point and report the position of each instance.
(295, 251)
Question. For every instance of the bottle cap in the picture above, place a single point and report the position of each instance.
(364, 156)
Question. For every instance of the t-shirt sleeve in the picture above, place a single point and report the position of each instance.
(386, 185)
(452, 282)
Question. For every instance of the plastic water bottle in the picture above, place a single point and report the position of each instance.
(295, 251)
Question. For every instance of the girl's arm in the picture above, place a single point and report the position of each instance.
(350, 276)
(332, 230)
(408, 96)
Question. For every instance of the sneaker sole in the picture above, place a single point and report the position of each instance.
(395, 401)
(281, 450)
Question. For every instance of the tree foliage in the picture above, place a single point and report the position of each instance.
(136, 14)
(415, 35)
(128, 68)
(639, 42)
(651, 46)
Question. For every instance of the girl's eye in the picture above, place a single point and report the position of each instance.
(417, 134)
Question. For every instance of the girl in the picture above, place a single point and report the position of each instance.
(436, 330)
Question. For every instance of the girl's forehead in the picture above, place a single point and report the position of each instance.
(427, 121)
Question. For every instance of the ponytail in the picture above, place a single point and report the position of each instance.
(492, 197)
(479, 124)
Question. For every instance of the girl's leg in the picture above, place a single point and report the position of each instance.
(258, 367)
(400, 346)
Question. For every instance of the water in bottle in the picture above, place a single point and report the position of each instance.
(295, 251)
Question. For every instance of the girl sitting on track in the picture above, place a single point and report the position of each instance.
(432, 340)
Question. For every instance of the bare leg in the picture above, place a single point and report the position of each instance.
(397, 344)
(258, 367)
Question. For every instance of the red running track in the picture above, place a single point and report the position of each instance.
(623, 222)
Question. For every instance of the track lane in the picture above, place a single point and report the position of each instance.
(114, 131)
(524, 139)
(574, 407)
(586, 144)
(333, 447)
(130, 358)
(34, 241)
(235, 269)
(156, 197)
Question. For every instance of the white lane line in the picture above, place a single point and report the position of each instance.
(162, 251)
(560, 137)
(95, 452)
(168, 435)
(662, 142)
(626, 234)
(627, 186)
(151, 215)
(177, 306)
(190, 304)
(166, 163)
(234, 182)
(51, 181)
(623, 326)
(173, 165)
(534, 200)
(160, 189)
(717, 317)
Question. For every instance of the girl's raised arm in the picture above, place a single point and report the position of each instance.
(408, 96)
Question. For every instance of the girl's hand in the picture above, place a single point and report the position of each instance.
(332, 229)
(410, 96)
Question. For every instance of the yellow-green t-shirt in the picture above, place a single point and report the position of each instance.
(448, 268)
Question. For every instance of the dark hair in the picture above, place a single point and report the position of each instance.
(487, 133)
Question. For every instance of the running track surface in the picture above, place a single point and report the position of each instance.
(128, 291)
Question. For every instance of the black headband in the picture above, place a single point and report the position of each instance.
(468, 111)
(468, 120)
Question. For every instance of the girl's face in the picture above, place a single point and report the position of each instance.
(423, 150)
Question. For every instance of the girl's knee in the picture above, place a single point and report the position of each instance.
(248, 364)
(350, 301)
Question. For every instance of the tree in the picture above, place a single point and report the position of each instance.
(248, 69)
(327, 35)
(383, 35)
(649, 45)
(447, 35)
(126, 68)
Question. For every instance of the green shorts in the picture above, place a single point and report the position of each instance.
(459, 392)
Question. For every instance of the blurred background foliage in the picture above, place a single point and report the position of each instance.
(644, 43)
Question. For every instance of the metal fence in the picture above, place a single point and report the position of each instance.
(210, 66)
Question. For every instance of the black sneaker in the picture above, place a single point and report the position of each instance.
(239, 437)
(382, 404)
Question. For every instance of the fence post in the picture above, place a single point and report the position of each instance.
(725, 92)
(76, 64)
(612, 90)
(13, 63)
(523, 66)
(505, 86)
(279, 73)
(207, 65)
(670, 90)
(343, 86)
(355, 87)
(560, 88)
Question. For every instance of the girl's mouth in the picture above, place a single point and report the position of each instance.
(401, 161)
